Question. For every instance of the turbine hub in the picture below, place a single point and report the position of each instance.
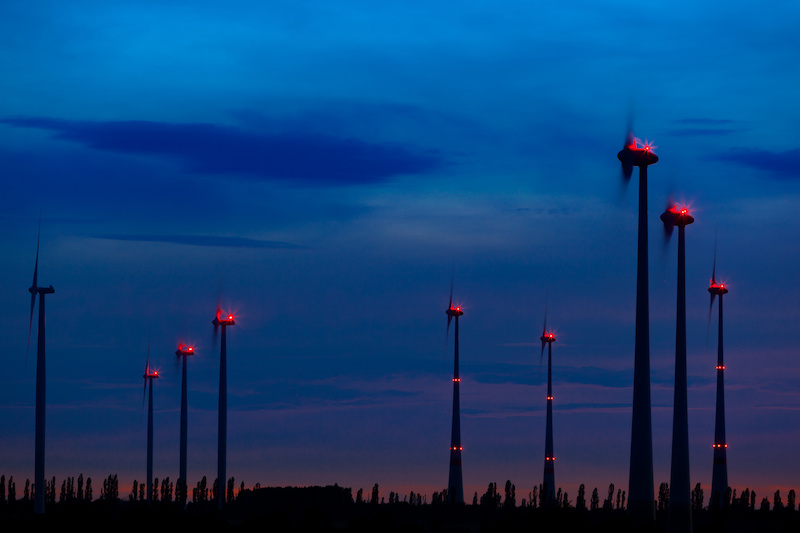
(632, 155)
(184, 350)
(675, 216)
(718, 288)
(454, 311)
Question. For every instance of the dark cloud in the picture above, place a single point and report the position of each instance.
(704, 121)
(781, 164)
(685, 132)
(202, 240)
(213, 149)
(702, 127)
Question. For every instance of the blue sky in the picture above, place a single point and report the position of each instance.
(321, 169)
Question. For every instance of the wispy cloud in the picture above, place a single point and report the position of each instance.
(702, 127)
(308, 158)
(780, 164)
(202, 240)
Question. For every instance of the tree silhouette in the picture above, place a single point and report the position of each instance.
(229, 491)
(134, 491)
(744, 500)
(663, 497)
(360, 496)
(2, 490)
(790, 500)
(764, 504)
(181, 491)
(26, 493)
(511, 497)
(753, 500)
(166, 490)
(608, 503)
(697, 498)
(595, 502)
(80, 487)
(490, 498)
(580, 503)
(777, 503)
(88, 495)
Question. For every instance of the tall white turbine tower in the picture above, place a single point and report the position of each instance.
(549, 481)
(148, 379)
(719, 474)
(223, 321)
(455, 484)
(641, 504)
(41, 384)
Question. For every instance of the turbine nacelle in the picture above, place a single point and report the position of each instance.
(454, 311)
(42, 290)
(675, 216)
(547, 337)
(716, 288)
(636, 153)
(184, 350)
(223, 320)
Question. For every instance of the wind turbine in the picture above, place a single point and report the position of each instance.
(680, 505)
(549, 483)
(41, 393)
(455, 484)
(640, 482)
(183, 353)
(149, 376)
(223, 321)
(719, 476)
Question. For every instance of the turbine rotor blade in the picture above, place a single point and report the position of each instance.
(447, 335)
(713, 282)
(710, 308)
(450, 305)
(544, 334)
(34, 289)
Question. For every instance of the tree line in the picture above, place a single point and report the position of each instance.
(166, 492)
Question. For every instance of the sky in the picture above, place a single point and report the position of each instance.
(324, 170)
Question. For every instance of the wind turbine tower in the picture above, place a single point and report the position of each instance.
(455, 485)
(149, 377)
(183, 352)
(222, 427)
(41, 393)
(640, 482)
(680, 505)
(549, 483)
(719, 476)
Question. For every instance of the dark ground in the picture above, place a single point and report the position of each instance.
(323, 509)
